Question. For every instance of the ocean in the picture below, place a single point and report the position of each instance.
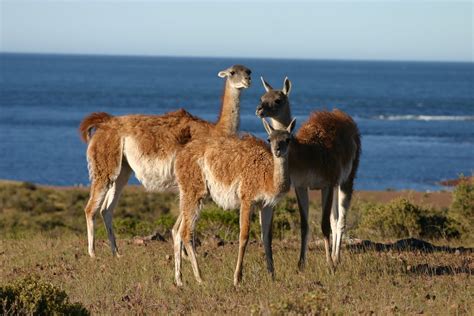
(416, 118)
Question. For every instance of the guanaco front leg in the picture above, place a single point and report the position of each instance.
(303, 206)
(266, 216)
(243, 239)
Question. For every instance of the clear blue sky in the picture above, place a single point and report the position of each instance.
(381, 30)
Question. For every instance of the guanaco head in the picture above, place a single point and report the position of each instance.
(238, 76)
(279, 139)
(274, 102)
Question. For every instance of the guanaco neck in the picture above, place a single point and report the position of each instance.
(281, 176)
(283, 119)
(229, 117)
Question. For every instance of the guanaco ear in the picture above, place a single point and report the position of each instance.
(267, 126)
(291, 127)
(266, 85)
(223, 73)
(286, 86)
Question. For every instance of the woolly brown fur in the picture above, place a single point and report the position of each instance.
(324, 155)
(230, 158)
(324, 144)
(153, 141)
(242, 170)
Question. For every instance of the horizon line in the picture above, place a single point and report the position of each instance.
(236, 57)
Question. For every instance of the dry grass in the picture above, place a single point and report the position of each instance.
(141, 282)
(42, 232)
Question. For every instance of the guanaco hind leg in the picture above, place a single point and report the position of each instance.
(344, 202)
(327, 195)
(182, 235)
(334, 218)
(96, 199)
(110, 203)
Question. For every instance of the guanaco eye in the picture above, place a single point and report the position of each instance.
(268, 139)
(232, 73)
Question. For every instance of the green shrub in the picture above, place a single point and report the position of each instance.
(28, 209)
(226, 223)
(27, 197)
(31, 296)
(400, 218)
(145, 205)
(75, 201)
(438, 225)
(462, 207)
(28, 186)
(286, 218)
(129, 227)
(215, 221)
(165, 222)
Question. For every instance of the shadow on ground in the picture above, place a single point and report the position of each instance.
(409, 244)
(417, 245)
(438, 270)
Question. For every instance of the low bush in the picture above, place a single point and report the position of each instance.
(462, 207)
(213, 221)
(401, 218)
(165, 222)
(27, 209)
(286, 218)
(31, 296)
(225, 223)
(398, 219)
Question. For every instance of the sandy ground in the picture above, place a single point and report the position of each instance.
(439, 199)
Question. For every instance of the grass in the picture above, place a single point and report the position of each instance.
(142, 280)
(42, 234)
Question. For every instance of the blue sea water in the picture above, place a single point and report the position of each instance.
(416, 118)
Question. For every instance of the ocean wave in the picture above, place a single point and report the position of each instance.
(425, 117)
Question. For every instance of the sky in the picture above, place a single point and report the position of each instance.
(359, 30)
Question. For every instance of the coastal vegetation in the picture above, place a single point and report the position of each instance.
(43, 246)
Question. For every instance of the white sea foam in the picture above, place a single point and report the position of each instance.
(426, 117)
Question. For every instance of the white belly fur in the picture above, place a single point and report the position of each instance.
(226, 196)
(155, 174)
(268, 199)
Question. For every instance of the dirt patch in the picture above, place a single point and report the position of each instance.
(440, 199)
